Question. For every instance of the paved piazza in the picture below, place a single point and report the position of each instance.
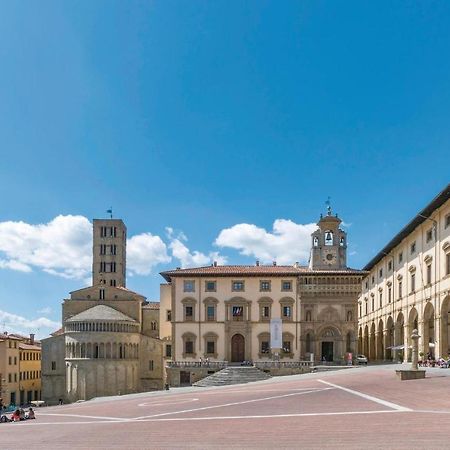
(355, 408)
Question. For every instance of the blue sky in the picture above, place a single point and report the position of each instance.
(203, 115)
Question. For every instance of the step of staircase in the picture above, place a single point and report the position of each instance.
(233, 375)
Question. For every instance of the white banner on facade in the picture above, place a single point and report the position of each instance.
(276, 333)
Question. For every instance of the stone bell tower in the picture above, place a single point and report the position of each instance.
(109, 252)
(329, 244)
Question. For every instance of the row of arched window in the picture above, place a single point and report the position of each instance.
(110, 350)
(102, 326)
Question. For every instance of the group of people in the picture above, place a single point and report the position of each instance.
(18, 415)
(430, 361)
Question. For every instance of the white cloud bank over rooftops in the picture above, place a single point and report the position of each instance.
(63, 247)
(187, 258)
(14, 323)
(287, 243)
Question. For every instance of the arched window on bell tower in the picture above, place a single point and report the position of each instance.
(328, 237)
(315, 241)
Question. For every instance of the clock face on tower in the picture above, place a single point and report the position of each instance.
(330, 257)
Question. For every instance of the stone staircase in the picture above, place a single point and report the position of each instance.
(233, 375)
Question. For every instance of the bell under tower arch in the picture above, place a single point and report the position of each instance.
(328, 244)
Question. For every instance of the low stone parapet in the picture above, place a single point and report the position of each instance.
(405, 374)
(196, 364)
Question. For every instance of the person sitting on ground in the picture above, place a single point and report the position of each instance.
(30, 414)
(15, 416)
(22, 414)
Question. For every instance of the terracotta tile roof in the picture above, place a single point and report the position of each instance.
(57, 332)
(9, 336)
(269, 270)
(107, 287)
(129, 290)
(100, 312)
(29, 347)
(151, 305)
(21, 336)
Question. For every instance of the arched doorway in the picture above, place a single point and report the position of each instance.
(237, 348)
(329, 345)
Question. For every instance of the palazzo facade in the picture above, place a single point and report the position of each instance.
(408, 287)
(108, 344)
(224, 313)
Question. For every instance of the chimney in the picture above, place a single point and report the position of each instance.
(296, 265)
(274, 263)
(257, 262)
(32, 338)
(215, 263)
(5, 333)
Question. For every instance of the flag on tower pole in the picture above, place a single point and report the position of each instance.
(109, 211)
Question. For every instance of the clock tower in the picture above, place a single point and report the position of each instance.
(329, 244)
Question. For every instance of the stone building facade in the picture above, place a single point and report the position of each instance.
(408, 287)
(224, 313)
(109, 341)
(20, 368)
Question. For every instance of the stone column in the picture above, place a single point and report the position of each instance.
(397, 335)
(385, 341)
(437, 337)
(377, 345)
(405, 342)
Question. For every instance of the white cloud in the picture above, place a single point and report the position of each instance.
(187, 258)
(47, 310)
(18, 324)
(287, 243)
(145, 251)
(14, 265)
(63, 247)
